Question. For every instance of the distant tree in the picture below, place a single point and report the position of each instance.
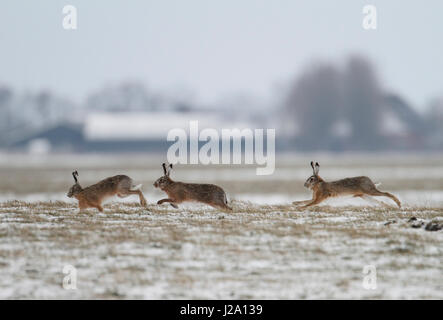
(324, 102)
(434, 119)
(128, 96)
(5, 96)
(314, 104)
(5, 101)
(362, 103)
(43, 103)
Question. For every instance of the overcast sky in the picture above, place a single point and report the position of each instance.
(215, 48)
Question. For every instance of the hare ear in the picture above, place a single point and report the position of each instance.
(317, 168)
(312, 165)
(164, 168)
(169, 170)
(75, 175)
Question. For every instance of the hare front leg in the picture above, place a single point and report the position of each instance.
(164, 200)
(171, 201)
(301, 202)
(312, 203)
(316, 200)
(82, 206)
(96, 205)
(222, 206)
(99, 207)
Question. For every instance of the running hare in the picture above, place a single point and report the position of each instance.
(179, 192)
(93, 196)
(356, 186)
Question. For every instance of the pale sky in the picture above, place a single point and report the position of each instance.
(216, 48)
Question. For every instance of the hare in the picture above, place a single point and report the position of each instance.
(179, 192)
(93, 196)
(356, 186)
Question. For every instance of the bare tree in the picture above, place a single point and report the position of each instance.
(362, 103)
(324, 97)
(5, 100)
(314, 104)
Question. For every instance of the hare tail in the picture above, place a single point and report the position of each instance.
(225, 199)
(377, 184)
(137, 187)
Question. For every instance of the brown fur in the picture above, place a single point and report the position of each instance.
(94, 195)
(179, 192)
(356, 186)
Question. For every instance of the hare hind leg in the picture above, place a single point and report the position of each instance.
(121, 195)
(372, 199)
(138, 192)
(378, 193)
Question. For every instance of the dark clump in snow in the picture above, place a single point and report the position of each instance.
(434, 226)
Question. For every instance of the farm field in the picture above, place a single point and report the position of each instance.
(265, 249)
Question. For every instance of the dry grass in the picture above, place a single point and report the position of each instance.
(271, 251)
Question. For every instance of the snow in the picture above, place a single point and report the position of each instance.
(196, 255)
(265, 249)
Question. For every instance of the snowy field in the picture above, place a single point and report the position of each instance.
(265, 249)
